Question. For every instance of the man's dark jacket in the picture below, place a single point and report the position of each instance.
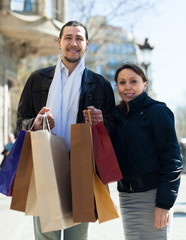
(95, 90)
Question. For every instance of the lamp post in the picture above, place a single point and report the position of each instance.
(146, 50)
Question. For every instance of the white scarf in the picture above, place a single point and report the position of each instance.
(64, 101)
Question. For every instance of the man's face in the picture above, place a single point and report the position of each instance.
(73, 44)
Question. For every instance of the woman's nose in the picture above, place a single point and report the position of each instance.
(128, 86)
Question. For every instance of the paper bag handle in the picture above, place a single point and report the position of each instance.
(45, 122)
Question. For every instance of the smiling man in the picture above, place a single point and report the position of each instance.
(64, 91)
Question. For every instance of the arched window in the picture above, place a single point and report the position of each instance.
(25, 6)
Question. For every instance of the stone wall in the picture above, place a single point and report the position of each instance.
(8, 68)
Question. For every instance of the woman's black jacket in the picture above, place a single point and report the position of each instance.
(147, 149)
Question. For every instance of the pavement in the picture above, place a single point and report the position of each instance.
(16, 226)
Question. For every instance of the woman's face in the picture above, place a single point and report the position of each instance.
(130, 84)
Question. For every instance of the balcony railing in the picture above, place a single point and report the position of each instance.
(24, 6)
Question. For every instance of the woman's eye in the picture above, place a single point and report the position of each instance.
(133, 81)
(122, 83)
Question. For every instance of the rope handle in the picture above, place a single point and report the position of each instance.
(89, 116)
(46, 124)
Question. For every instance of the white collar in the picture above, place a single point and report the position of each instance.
(64, 69)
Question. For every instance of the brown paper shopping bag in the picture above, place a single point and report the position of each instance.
(106, 209)
(31, 203)
(23, 176)
(52, 181)
(83, 203)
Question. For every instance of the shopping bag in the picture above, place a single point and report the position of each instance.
(52, 181)
(104, 155)
(31, 207)
(106, 209)
(23, 176)
(90, 197)
(8, 170)
(81, 159)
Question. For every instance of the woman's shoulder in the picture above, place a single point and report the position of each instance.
(155, 105)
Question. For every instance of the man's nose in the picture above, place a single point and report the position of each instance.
(73, 42)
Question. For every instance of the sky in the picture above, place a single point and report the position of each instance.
(165, 26)
(166, 29)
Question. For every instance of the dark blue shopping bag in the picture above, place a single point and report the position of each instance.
(9, 167)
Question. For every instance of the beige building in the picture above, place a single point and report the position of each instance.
(109, 47)
(27, 28)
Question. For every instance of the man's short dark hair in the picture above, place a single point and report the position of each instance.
(74, 24)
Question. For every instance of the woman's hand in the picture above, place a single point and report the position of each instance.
(162, 217)
(38, 123)
(95, 115)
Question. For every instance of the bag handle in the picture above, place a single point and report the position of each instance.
(89, 116)
(46, 124)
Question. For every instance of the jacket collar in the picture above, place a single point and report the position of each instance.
(138, 102)
(88, 76)
(88, 79)
(48, 72)
(142, 102)
(134, 105)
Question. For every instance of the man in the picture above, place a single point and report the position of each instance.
(66, 90)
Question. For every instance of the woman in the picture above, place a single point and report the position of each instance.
(145, 142)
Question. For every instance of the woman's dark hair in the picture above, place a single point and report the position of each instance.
(132, 66)
(74, 24)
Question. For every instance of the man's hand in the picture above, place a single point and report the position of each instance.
(38, 123)
(95, 115)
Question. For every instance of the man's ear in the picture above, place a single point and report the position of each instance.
(59, 41)
(87, 43)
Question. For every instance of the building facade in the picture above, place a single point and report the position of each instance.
(109, 47)
(27, 28)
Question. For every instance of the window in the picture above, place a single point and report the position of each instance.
(28, 6)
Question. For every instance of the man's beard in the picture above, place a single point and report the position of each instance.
(72, 60)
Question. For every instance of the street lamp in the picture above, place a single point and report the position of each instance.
(146, 50)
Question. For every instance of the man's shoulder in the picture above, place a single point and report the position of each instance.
(47, 71)
(92, 76)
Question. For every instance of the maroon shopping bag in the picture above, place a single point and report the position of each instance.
(105, 157)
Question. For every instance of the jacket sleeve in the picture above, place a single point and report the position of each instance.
(168, 155)
(26, 112)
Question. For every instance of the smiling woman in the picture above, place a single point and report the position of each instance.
(144, 139)
(130, 84)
